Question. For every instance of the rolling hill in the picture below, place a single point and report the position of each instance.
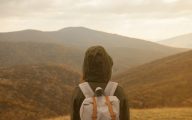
(20, 53)
(182, 41)
(126, 52)
(32, 92)
(162, 83)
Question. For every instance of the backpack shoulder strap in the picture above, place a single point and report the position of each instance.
(86, 89)
(110, 88)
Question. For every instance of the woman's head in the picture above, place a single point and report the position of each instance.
(97, 66)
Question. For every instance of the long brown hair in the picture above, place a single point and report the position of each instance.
(97, 66)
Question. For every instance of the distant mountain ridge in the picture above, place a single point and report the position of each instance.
(182, 41)
(130, 51)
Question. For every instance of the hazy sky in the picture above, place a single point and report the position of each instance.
(147, 19)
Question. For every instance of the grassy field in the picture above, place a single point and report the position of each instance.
(155, 114)
(162, 114)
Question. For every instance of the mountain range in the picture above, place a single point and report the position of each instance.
(39, 70)
(68, 45)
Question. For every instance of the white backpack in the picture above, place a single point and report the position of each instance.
(105, 107)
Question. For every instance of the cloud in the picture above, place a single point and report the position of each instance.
(32, 7)
(127, 17)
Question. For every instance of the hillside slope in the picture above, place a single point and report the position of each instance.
(31, 92)
(163, 83)
(20, 53)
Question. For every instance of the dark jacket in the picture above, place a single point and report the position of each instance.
(97, 69)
